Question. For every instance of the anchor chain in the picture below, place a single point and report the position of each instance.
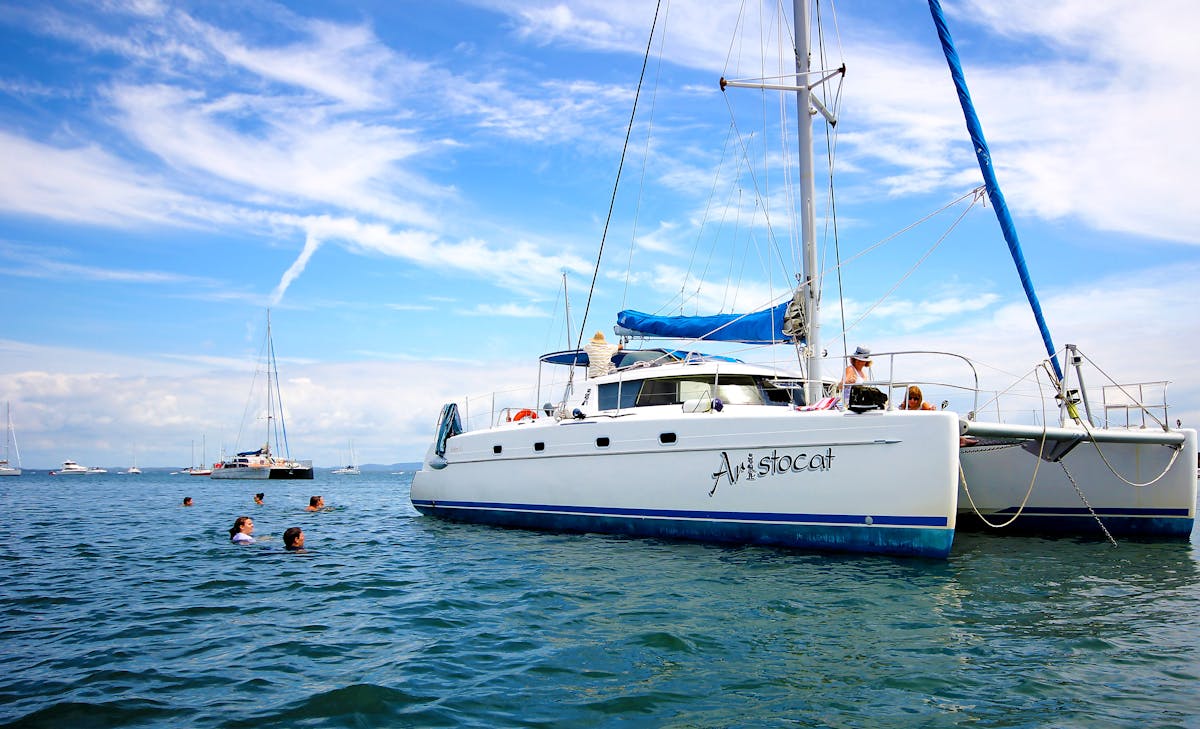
(1088, 505)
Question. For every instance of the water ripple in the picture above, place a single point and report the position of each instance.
(141, 613)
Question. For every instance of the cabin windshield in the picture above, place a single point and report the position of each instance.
(730, 389)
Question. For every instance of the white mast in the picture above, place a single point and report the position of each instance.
(808, 227)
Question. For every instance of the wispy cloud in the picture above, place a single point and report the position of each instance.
(30, 262)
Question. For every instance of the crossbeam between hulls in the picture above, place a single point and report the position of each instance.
(1099, 435)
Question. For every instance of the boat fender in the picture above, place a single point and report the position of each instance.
(717, 404)
(437, 463)
(521, 415)
(578, 414)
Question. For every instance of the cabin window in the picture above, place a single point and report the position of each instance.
(496, 449)
(602, 442)
(731, 389)
(539, 446)
(613, 395)
(658, 392)
(666, 438)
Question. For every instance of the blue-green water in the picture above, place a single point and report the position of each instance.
(122, 608)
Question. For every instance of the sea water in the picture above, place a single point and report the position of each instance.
(120, 607)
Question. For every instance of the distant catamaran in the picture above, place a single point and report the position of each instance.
(263, 463)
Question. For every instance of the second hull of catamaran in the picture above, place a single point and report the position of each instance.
(1136, 482)
(879, 482)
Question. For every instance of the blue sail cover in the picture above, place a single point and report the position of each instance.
(984, 155)
(760, 327)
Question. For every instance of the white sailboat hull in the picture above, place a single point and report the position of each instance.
(998, 473)
(6, 470)
(877, 482)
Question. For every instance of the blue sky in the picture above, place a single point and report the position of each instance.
(404, 185)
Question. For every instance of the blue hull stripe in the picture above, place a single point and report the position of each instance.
(1084, 525)
(740, 516)
(1083, 511)
(834, 536)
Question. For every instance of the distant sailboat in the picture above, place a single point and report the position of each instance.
(10, 438)
(263, 463)
(352, 469)
(202, 469)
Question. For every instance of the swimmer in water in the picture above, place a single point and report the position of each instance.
(258, 498)
(315, 503)
(242, 528)
(187, 500)
(293, 539)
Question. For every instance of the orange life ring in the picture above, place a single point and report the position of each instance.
(525, 414)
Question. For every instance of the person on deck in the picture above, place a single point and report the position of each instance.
(856, 370)
(915, 400)
(600, 354)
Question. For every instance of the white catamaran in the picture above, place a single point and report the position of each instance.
(262, 463)
(672, 442)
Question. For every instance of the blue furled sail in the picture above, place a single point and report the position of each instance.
(760, 327)
(989, 177)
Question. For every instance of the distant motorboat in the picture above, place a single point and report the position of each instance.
(96, 470)
(71, 468)
(10, 439)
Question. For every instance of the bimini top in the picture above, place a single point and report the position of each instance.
(628, 357)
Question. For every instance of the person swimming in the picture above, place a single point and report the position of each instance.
(187, 500)
(258, 498)
(242, 528)
(316, 503)
(293, 539)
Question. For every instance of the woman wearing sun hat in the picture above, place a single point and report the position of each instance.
(859, 361)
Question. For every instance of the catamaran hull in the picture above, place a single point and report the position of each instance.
(263, 474)
(998, 473)
(877, 482)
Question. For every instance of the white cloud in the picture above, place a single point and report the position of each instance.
(79, 183)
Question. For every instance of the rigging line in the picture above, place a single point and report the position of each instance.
(708, 204)
(1121, 387)
(976, 193)
(616, 183)
(645, 158)
(912, 269)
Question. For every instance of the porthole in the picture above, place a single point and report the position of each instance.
(496, 449)
(602, 442)
(666, 438)
(539, 446)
